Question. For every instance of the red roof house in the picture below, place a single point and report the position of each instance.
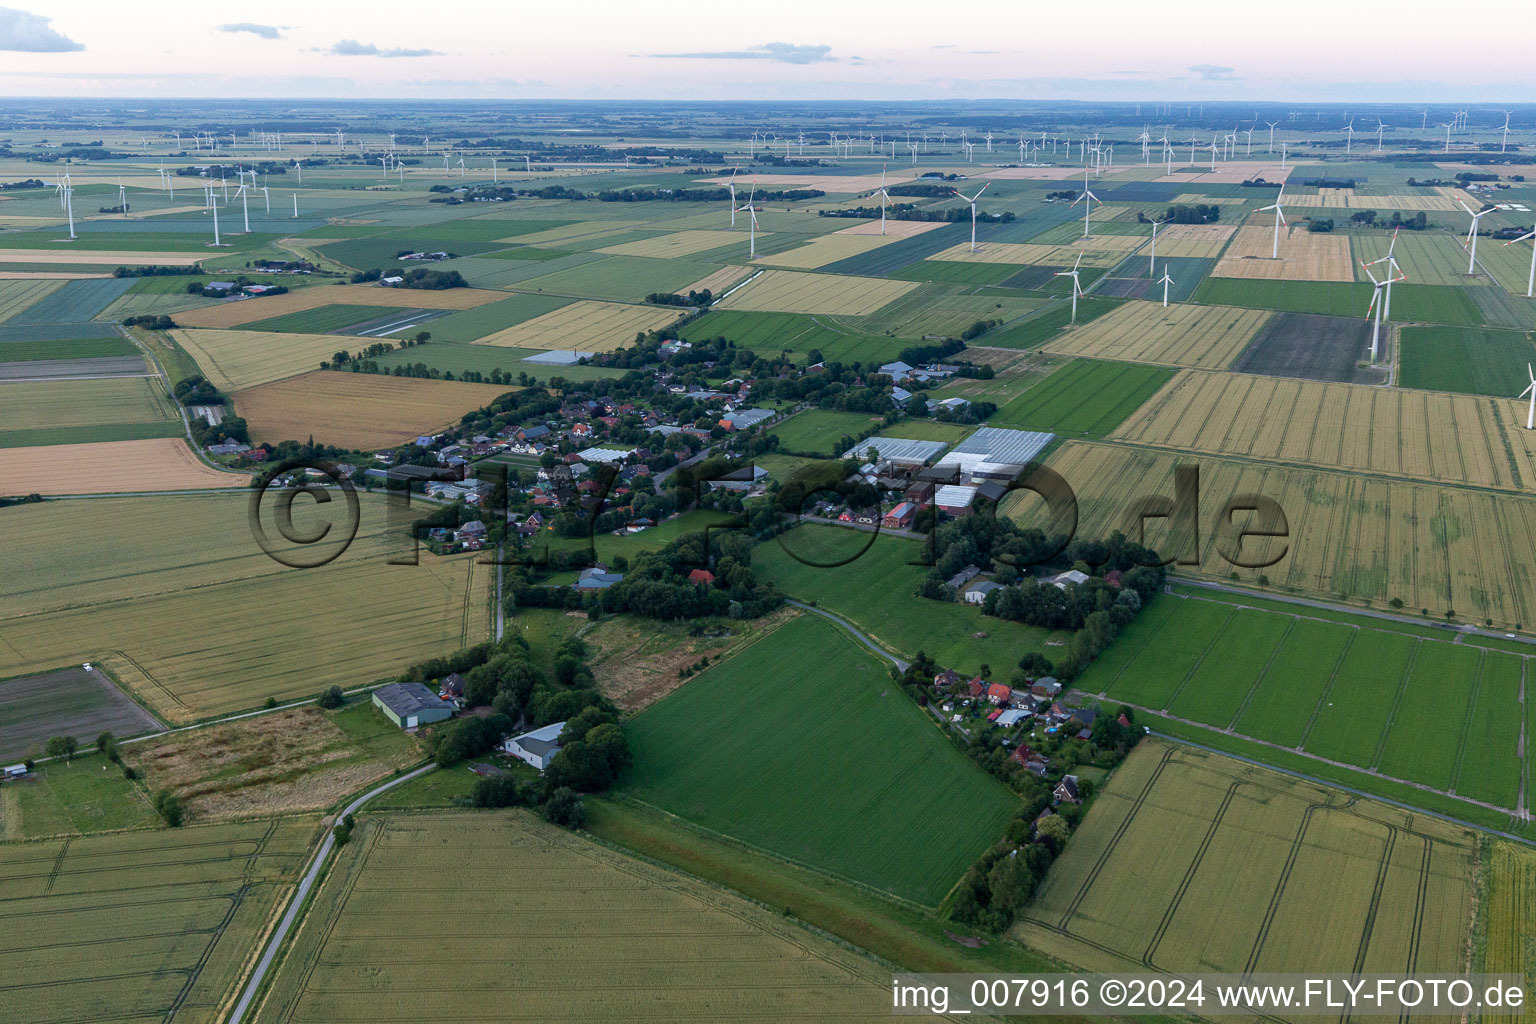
(703, 576)
(999, 693)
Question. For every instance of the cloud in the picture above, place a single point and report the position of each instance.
(783, 53)
(353, 48)
(1211, 72)
(264, 31)
(26, 32)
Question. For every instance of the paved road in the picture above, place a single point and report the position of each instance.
(901, 666)
(296, 904)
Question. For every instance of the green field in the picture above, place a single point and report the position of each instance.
(1190, 861)
(65, 348)
(1387, 697)
(876, 592)
(77, 797)
(468, 325)
(1465, 359)
(1425, 303)
(1041, 327)
(321, 319)
(152, 924)
(81, 411)
(536, 904)
(817, 756)
(799, 334)
(1086, 397)
(816, 431)
(621, 278)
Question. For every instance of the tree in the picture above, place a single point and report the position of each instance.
(1053, 831)
(343, 830)
(61, 746)
(106, 743)
(331, 698)
(565, 808)
(422, 337)
(168, 806)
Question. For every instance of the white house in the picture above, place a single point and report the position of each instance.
(536, 747)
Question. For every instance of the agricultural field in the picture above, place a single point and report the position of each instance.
(1311, 347)
(786, 291)
(1446, 438)
(233, 360)
(1467, 360)
(67, 412)
(679, 243)
(541, 903)
(1350, 538)
(620, 278)
(1033, 331)
(1304, 255)
(293, 760)
(825, 250)
(156, 464)
(816, 431)
(1086, 397)
(799, 334)
(835, 795)
(871, 581)
(149, 923)
(238, 312)
(16, 296)
(1209, 337)
(1246, 856)
(1426, 257)
(470, 325)
(584, 326)
(161, 591)
(69, 349)
(1420, 709)
(717, 283)
(68, 702)
(1511, 914)
(322, 319)
(1433, 304)
(79, 796)
(357, 410)
(1100, 251)
(1193, 241)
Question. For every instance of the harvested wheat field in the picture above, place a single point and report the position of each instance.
(358, 410)
(826, 249)
(785, 291)
(1200, 241)
(33, 275)
(233, 312)
(893, 228)
(1209, 337)
(717, 282)
(1425, 435)
(1098, 251)
(156, 464)
(1304, 255)
(105, 257)
(587, 325)
(678, 243)
(297, 759)
(235, 360)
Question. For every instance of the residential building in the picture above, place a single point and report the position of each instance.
(978, 593)
(595, 578)
(538, 747)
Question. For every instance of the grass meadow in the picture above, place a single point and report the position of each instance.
(817, 756)
(1086, 398)
(1469, 360)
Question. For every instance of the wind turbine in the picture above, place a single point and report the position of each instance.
(972, 201)
(1279, 220)
(732, 186)
(1166, 281)
(122, 197)
(1152, 257)
(885, 197)
(1377, 304)
(1349, 134)
(1530, 389)
(1447, 128)
(1530, 282)
(1088, 198)
(1271, 134)
(295, 206)
(69, 209)
(1472, 234)
(752, 223)
(1503, 144)
(1392, 268)
(267, 198)
(1380, 128)
(1077, 289)
(245, 207)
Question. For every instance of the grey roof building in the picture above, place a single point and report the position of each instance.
(410, 705)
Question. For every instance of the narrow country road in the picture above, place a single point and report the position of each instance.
(901, 666)
(253, 985)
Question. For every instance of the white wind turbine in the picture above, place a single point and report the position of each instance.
(972, 201)
(1088, 199)
(751, 211)
(267, 198)
(122, 198)
(1530, 281)
(1271, 134)
(1447, 128)
(1472, 235)
(732, 186)
(1530, 389)
(1381, 127)
(1279, 220)
(1505, 142)
(1349, 135)
(885, 197)
(1077, 289)
(245, 207)
(1166, 281)
(1392, 269)
(1377, 304)
(295, 206)
(1152, 257)
(69, 209)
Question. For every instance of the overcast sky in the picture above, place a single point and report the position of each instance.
(1312, 50)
